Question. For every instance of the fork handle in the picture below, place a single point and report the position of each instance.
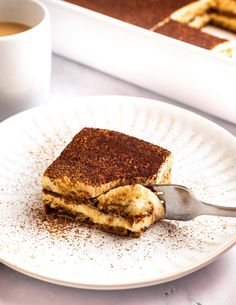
(216, 210)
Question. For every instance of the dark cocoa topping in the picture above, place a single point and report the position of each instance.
(143, 13)
(188, 34)
(99, 156)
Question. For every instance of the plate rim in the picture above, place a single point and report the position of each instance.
(75, 101)
(119, 286)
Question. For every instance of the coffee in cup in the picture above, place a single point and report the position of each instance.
(11, 28)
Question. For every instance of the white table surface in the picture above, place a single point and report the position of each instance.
(213, 285)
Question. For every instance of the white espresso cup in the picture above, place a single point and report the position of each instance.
(25, 57)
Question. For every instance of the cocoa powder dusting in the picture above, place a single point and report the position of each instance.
(98, 156)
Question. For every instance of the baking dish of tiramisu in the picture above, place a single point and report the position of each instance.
(175, 19)
(184, 49)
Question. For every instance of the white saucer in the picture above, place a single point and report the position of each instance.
(71, 255)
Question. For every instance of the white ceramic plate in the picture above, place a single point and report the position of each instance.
(79, 256)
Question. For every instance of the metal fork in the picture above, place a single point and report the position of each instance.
(181, 204)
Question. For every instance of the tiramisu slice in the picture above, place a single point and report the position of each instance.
(202, 12)
(224, 14)
(100, 178)
(196, 37)
(189, 12)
